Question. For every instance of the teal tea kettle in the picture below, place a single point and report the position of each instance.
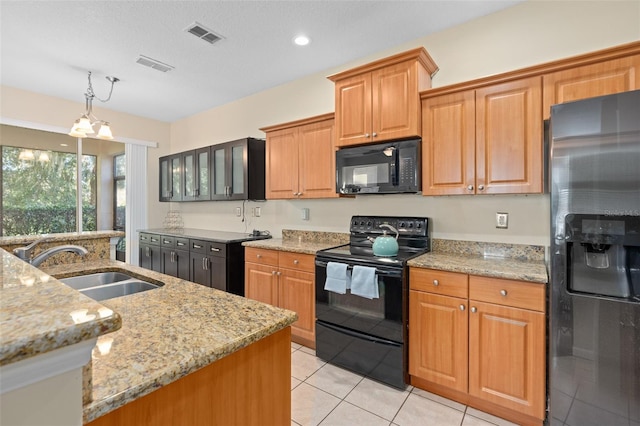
(385, 245)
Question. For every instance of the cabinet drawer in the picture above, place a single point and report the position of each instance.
(518, 294)
(297, 261)
(439, 282)
(217, 249)
(198, 246)
(167, 241)
(150, 239)
(182, 243)
(263, 256)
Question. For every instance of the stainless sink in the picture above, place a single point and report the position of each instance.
(93, 280)
(119, 289)
(107, 285)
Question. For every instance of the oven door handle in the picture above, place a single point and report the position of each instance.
(382, 273)
(358, 335)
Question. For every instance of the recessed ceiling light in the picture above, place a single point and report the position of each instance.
(301, 40)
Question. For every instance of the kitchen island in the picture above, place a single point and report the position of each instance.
(186, 354)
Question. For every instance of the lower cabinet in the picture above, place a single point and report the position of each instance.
(286, 280)
(480, 341)
(174, 256)
(212, 264)
(149, 256)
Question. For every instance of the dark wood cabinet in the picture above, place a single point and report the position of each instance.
(149, 256)
(171, 178)
(174, 256)
(213, 264)
(232, 170)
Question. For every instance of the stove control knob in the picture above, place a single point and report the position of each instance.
(369, 224)
(418, 225)
(402, 225)
(410, 225)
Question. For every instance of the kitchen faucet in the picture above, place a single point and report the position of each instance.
(26, 253)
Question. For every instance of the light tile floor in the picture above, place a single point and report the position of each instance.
(323, 394)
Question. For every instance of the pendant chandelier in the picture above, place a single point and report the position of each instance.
(83, 126)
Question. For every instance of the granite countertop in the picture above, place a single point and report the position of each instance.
(62, 237)
(39, 314)
(167, 333)
(205, 234)
(307, 242)
(497, 260)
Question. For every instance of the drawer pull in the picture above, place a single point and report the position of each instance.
(197, 246)
(216, 249)
(166, 242)
(503, 292)
(462, 307)
(474, 309)
(436, 283)
(180, 244)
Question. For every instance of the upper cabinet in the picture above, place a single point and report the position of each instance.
(599, 79)
(300, 159)
(238, 170)
(484, 141)
(171, 172)
(229, 171)
(381, 100)
(485, 136)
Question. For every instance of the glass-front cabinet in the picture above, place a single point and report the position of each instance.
(171, 171)
(228, 171)
(196, 175)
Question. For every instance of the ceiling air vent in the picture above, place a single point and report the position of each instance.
(153, 63)
(203, 33)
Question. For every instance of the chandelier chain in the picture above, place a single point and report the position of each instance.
(91, 94)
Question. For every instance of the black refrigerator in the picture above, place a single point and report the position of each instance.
(594, 295)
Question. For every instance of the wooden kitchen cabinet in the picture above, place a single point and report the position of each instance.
(381, 101)
(484, 348)
(174, 256)
(300, 159)
(598, 79)
(484, 141)
(149, 255)
(286, 280)
(171, 172)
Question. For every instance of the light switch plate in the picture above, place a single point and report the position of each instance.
(257, 211)
(502, 220)
(238, 211)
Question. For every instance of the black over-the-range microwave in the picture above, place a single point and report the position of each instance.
(383, 168)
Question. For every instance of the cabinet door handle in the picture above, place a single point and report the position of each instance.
(375, 134)
(480, 187)
(462, 307)
(470, 188)
(259, 256)
(274, 273)
(279, 273)
(436, 283)
(148, 251)
(296, 261)
(366, 135)
(172, 257)
(503, 292)
(206, 264)
(474, 309)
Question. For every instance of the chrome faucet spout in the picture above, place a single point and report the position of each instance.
(25, 253)
(36, 261)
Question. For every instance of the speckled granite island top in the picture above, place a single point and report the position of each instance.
(39, 314)
(168, 333)
(509, 261)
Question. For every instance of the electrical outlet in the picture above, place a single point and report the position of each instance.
(305, 214)
(238, 212)
(257, 212)
(502, 220)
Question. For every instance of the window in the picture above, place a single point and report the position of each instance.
(119, 192)
(39, 191)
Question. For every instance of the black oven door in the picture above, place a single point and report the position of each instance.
(360, 334)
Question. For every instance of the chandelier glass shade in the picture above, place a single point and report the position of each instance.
(83, 126)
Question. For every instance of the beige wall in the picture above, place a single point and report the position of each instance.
(527, 34)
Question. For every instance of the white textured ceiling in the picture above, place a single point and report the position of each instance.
(48, 46)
